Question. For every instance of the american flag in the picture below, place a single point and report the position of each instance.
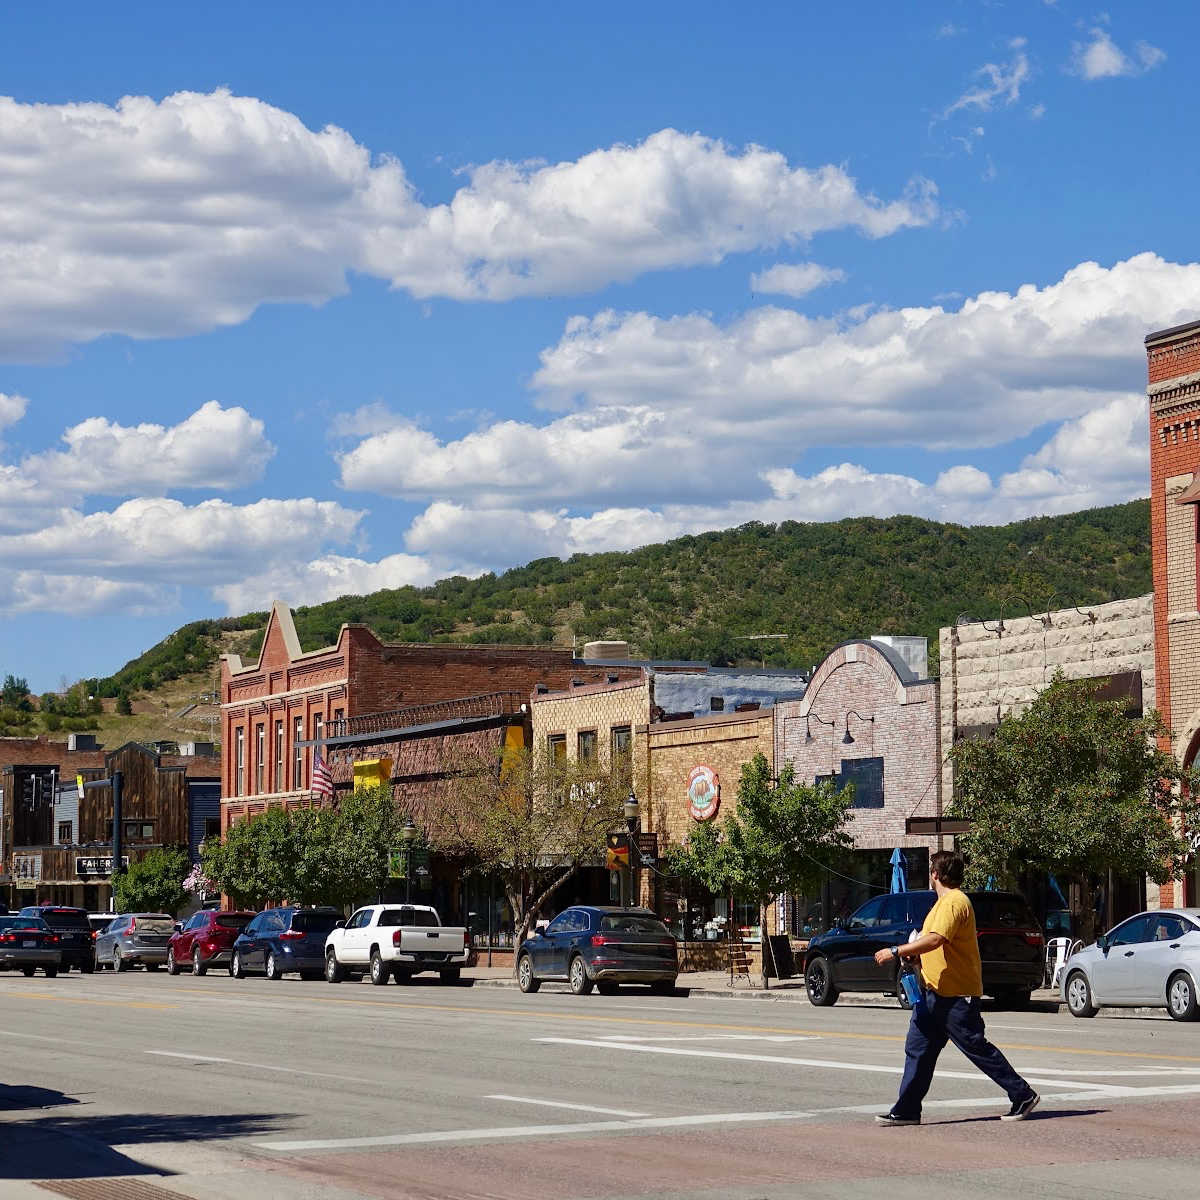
(322, 778)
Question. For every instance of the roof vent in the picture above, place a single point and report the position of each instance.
(81, 741)
(612, 678)
(540, 689)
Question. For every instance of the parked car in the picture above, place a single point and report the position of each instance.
(74, 933)
(134, 938)
(1152, 959)
(1011, 946)
(28, 944)
(280, 941)
(396, 940)
(600, 946)
(205, 940)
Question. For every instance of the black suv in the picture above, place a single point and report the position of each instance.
(74, 933)
(1011, 946)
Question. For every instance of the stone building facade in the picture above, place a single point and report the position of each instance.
(594, 720)
(996, 666)
(1173, 392)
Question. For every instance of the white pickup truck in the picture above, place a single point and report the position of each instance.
(383, 940)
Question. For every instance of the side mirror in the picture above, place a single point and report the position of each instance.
(838, 923)
(340, 925)
(1102, 942)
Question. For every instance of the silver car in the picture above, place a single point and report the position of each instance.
(135, 938)
(1152, 959)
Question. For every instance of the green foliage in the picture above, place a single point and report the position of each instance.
(820, 583)
(14, 693)
(1075, 787)
(124, 704)
(154, 883)
(778, 839)
(308, 855)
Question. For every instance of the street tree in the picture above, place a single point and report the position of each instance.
(779, 839)
(1074, 787)
(531, 819)
(153, 883)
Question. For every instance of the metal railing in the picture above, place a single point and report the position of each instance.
(489, 704)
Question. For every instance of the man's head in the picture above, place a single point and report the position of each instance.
(948, 867)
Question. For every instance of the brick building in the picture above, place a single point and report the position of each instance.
(1173, 363)
(869, 716)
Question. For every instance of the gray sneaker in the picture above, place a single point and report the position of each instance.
(1022, 1108)
(892, 1119)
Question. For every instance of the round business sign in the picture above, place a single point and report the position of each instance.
(704, 793)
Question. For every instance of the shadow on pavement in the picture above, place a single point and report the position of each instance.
(13, 1099)
(1042, 1114)
(78, 1146)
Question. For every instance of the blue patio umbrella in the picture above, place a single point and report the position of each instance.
(899, 867)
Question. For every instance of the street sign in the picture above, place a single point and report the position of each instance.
(98, 864)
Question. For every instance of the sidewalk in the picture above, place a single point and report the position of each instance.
(715, 984)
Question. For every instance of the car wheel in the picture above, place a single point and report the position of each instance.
(451, 974)
(50, 972)
(526, 980)
(577, 977)
(118, 962)
(1181, 997)
(380, 971)
(198, 967)
(334, 971)
(608, 989)
(273, 972)
(818, 982)
(28, 972)
(1079, 995)
(236, 970)
(172, 965)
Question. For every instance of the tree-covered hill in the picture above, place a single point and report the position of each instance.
(694, 597)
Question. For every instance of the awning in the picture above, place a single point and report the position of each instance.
(1190, 494)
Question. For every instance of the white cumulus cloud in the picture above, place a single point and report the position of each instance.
(794, 279)
(163, 218)
(999, 83)
(1102, 58)
(24, 592)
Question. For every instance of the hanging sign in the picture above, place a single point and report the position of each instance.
(704, 793)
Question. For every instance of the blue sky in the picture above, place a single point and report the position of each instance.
(299, 303)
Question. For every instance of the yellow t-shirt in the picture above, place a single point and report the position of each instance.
(953, 969)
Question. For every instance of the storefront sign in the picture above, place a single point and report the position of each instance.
(27, 870)
(704, 793)
(98, 865)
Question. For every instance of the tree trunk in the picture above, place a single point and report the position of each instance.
(764, 945)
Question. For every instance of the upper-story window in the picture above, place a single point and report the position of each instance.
(622, 750)
(260, 758)
(278, 781)
(239, 778)
(64, 832)
(556, 744)
(297, 754)
(318, 732)
(587, 745)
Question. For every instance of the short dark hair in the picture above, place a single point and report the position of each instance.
(950, 867)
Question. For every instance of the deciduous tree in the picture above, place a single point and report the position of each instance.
(153, 883)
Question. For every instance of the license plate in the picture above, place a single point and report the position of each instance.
(29, 942)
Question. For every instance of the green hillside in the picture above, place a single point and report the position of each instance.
(691, 598)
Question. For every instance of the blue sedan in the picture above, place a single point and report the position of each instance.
(594, 946)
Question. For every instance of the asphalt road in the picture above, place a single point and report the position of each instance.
(143, 1086)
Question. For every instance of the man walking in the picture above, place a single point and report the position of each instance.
(948, 1009)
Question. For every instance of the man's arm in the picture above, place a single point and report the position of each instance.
(913, 949)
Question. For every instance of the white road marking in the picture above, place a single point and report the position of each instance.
(526, 1131)
(1052, 1078)
(237, 1062)
(608, 1112)
(709, 1037)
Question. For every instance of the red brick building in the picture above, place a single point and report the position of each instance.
(346, 696)
(1173, 360)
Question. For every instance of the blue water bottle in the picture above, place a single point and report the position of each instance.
(910, 983)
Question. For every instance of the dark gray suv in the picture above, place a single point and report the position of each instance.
(135, 938)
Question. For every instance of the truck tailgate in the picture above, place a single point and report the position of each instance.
(422, 940)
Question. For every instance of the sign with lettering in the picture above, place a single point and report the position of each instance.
(704, 793)
(27, 869)
(98, 864)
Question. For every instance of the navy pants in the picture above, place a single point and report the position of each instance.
(936, 1020)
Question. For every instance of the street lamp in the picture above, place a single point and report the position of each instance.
(847, 737)
(632, 821)
(409, 834)
(808, 734)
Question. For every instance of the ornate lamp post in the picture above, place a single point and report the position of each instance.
(409, 834)
(632, 822)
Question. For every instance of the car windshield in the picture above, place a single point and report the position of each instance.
(421, 917)
(633, 924)
(314, 922)
(22, 923)
(234, 920)
(1002, 912)
(65, 918)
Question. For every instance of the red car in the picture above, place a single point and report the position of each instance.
(205, 940)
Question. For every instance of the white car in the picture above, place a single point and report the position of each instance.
(396, 939)
(1152, 959)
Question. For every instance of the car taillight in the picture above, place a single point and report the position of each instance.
(7, 937)
(466, 938)
(397, 937)
(291, 935)
(95, 934)
(1034, 939)
(602, 939)
(52, 937)
(132, 924)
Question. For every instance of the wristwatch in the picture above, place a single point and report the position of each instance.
(895, 951)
